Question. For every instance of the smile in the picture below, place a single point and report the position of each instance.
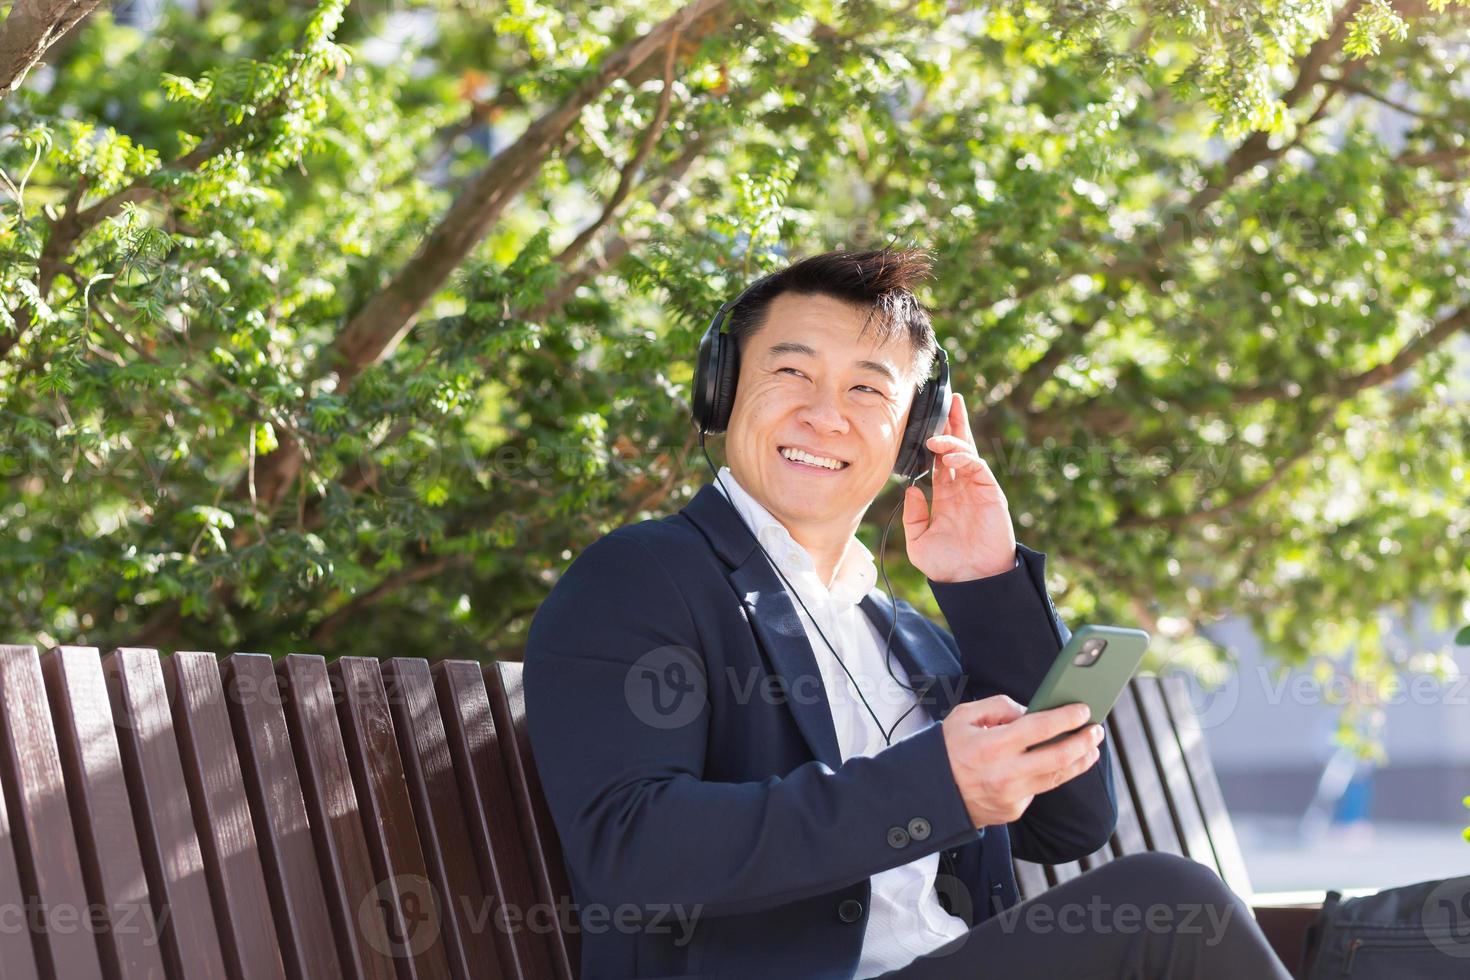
(803, 458)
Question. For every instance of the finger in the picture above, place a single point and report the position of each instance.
(948, 444)
(966, 464)
(1038, 726)
(1066, 764)
(998, 709)
(957, 408)
(915, 512)
(1073, 769)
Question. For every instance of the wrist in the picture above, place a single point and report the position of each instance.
(979, 570)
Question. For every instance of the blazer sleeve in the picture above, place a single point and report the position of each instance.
(1006, 634)
(609, 656)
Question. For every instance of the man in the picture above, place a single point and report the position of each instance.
(742, 784)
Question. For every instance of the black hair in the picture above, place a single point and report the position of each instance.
(880, 279)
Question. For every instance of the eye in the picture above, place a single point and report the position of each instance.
(868, 388)
(791, 369)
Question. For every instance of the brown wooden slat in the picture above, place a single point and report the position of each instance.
(434, 791)
(1228, 856)
(508, 706)
(1058, 873)
(1031, 878)
(107, 840)
(1285, 928)
(288, 855)
(172, 860)
(491, 814)
(1188, 821)
(16, 951)
(408, 895)
(348, 879)
(222, 817)
(1152, 805)
(1128, 833)
(48, 863)
(1097, 858)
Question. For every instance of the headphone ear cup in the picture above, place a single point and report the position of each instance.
(726, 375)
(912, 452)
(926, 420)
(702, 400)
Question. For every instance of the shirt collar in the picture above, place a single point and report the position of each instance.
(856, 571)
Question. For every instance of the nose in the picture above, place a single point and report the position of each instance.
(822, 412)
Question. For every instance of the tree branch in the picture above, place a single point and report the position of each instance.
(1100, 415)
(625, 178)
(1241, 500)
(329, 626)
(32, 27)
(1346, 387)
(386, 318)
(382, 323)
(1254, 150)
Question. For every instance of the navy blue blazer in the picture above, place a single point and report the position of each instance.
(686, 748)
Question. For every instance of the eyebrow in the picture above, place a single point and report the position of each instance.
(793, 347)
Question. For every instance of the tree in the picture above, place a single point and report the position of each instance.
(347, 341)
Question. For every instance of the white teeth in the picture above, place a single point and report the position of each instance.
(827, 462)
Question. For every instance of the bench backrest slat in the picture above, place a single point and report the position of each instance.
(434, 790)
(1169, 762)
(348, 879)
(16, 950)
(1142, 775)
(508, 706)
(491, 816)
(107, 840)
(288, 855)
(1030, 878)
(403, 885)
(222, 817)
(1128, 833)
(1185, 723)
(172, 859)
(49, 866)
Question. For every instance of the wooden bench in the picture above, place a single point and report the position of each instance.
(192, 816)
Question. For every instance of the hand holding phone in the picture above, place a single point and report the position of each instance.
(1093, 668)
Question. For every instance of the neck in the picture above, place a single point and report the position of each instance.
(826, 541)
(825, 549)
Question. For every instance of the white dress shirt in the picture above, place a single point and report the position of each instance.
(905, 919)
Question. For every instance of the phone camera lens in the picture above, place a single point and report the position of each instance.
(1091, 650)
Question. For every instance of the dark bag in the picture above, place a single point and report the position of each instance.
(1417, 932)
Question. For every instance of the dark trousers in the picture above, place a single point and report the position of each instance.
(1138, 917)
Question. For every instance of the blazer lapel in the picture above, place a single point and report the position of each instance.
(773, 618)
(934, 674)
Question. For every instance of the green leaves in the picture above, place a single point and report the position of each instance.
(1162, 325)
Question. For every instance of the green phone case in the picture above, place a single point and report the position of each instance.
(1098, 685)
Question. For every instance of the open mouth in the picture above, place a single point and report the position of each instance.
(801, 457)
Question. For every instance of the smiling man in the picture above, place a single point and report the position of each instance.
(730, 722)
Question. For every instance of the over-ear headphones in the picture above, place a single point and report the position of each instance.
(719, 368)
(714, 399)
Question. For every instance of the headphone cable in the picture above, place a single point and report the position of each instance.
(888, 645)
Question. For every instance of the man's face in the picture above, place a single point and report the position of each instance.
(808, 383)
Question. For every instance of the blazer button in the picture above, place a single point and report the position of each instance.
(919, 828)
(850, 910)
(898, 837)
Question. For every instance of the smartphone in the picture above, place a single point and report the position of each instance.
(1093, 668)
